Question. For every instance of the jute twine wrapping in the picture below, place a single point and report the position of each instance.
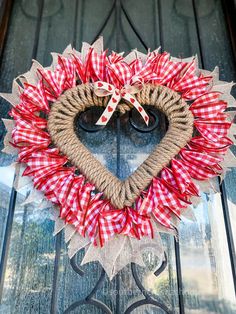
(120, 193)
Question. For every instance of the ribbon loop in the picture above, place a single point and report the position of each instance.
(103, 89)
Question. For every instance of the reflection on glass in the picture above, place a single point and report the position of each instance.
(6, 180)
(206, 269)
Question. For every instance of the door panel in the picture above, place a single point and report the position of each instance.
(37, 275)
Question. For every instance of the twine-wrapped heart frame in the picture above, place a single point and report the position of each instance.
(120, 193)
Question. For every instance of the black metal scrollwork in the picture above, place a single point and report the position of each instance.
(148, 298)
(142, 127)
(89, 300)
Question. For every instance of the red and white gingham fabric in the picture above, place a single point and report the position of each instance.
(68, 67)
(47, 179)
(201, 144)
(103, 221)
(110, 221)
(54, 81)
(208, 106)
(119, 73)
(170, 192)
(212, 130)
(91, 217)
(29, 116)
(136, 65)
(80, 68)
(34, 97)
(182, 179)
(26, 133)
(98, 66)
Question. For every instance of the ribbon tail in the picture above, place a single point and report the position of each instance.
(110, 108)
(130, 98)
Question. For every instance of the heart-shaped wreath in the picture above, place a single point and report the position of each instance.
(94, 205)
